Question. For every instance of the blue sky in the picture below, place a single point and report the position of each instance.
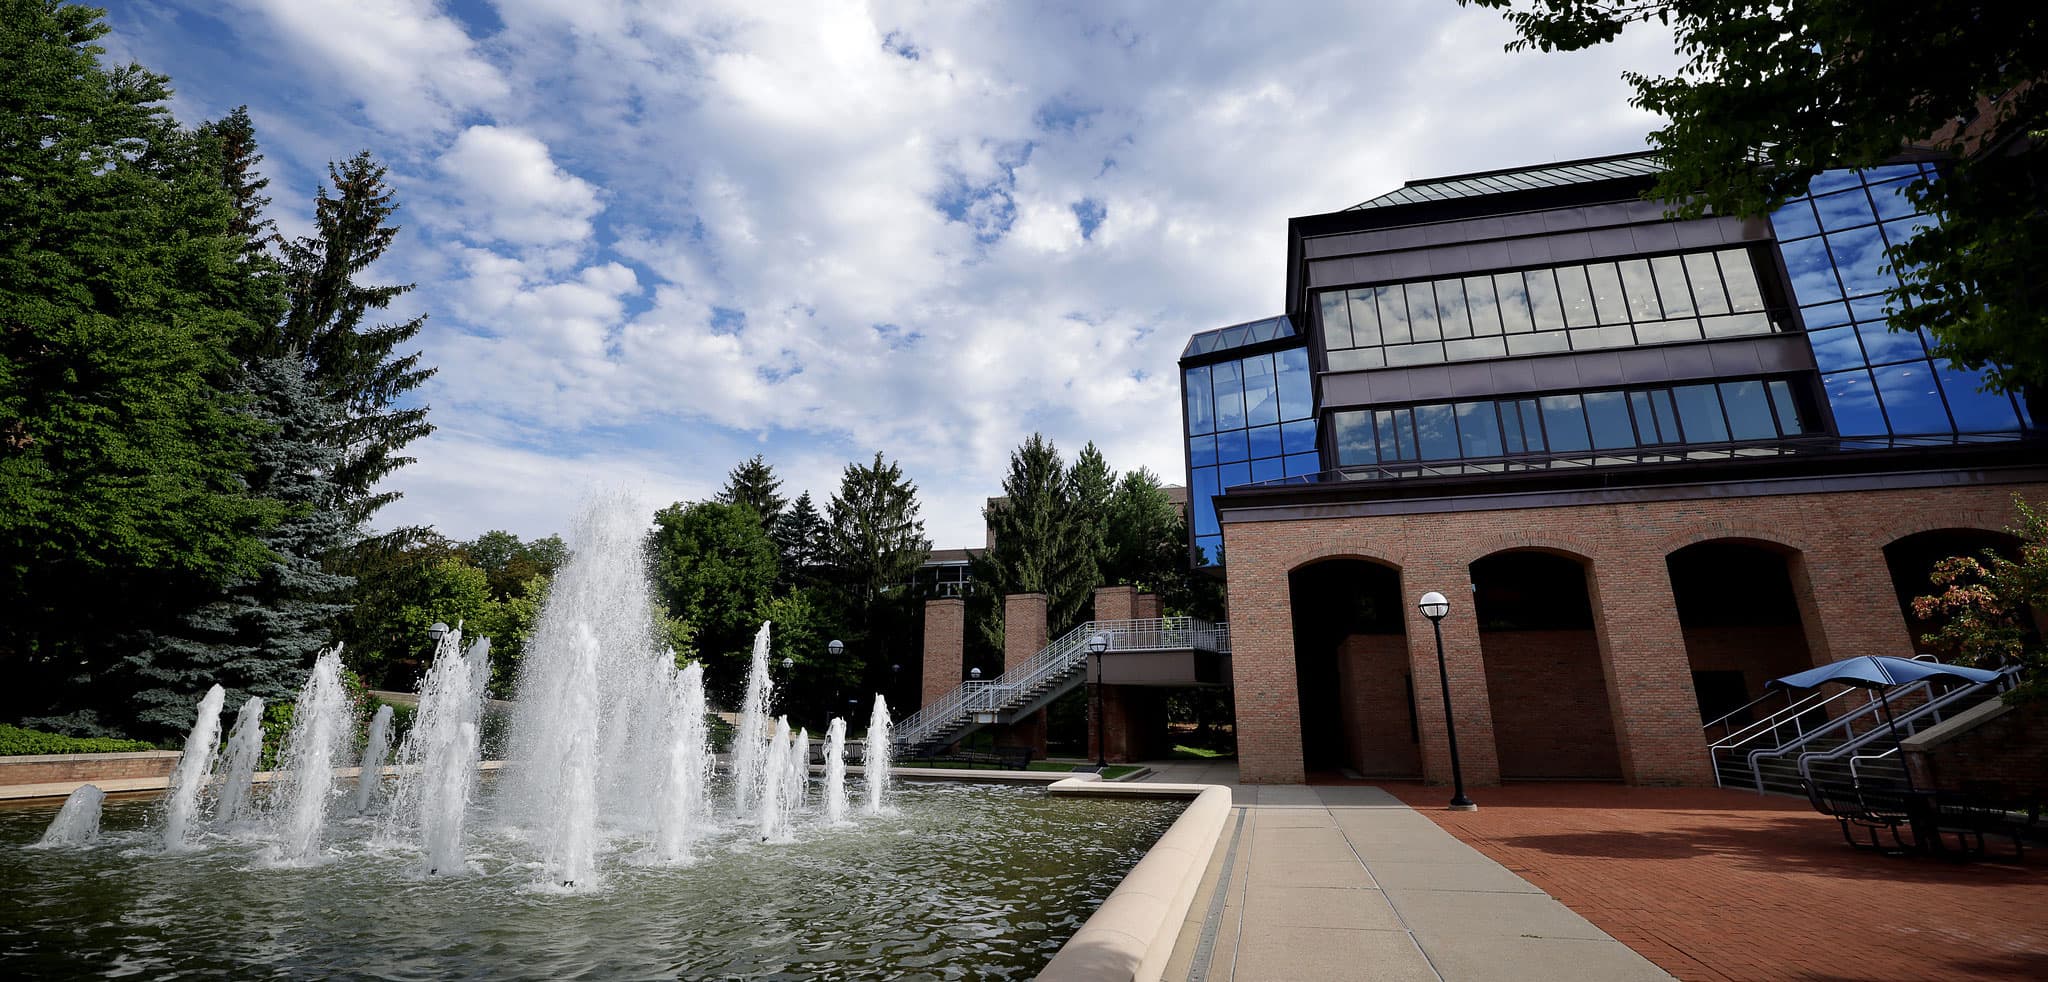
(655, 238)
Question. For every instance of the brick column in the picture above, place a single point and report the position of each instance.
(1116, 603)
(1262, 659)
(1846, 603)
(1648, 674)
(1023, 628)
(1134, 722)
(1147, 607)
(1469, 700)
(945, 641)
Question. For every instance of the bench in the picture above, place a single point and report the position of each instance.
(1866, 809)
(1970, 816)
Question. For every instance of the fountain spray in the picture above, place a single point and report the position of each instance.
(182, 804)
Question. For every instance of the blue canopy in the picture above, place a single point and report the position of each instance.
(1880, 671)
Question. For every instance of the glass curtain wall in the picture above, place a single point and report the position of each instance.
(1879, 381)
(1248, 419)
(1759, 409)
(1685, 297)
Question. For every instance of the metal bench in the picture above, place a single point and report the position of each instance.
(1866, 809)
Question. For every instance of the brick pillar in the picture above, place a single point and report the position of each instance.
(1262, 663)
(1648, 674)
(945, 640)
(1469, 699)
(1134, 723)
(1023, 628)
(1116, 603)
(1846, 603)
(1147, 607)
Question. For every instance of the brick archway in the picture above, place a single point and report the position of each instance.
(1545, 667)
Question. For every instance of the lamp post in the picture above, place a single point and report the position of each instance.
(835, 648)
(437, 632)
(1434, 606)
(1096, 646)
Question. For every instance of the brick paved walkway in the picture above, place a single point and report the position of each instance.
(1714, 884)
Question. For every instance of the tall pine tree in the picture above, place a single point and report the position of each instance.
(874, 543)
(754, 484)
(355, 364)
(1039, 543)
(799, 535)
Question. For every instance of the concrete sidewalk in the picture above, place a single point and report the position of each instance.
(1349, 883)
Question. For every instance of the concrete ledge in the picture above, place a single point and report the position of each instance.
(87, 768)
(162, 782)
(1132, 934)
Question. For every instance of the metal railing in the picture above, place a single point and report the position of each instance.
(1771, 728)
(1908, 722)
(1052, 663)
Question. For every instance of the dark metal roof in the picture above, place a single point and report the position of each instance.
(1517, 179)
(1240, 335)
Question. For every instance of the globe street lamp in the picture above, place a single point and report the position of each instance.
(1435, 607)
(437, 632)
(835, 648)
(1096, 646)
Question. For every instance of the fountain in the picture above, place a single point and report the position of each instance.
(244, 754)
(835, 772)
(774, 810)
(437, 763)
(77, 823)
(181, 805)
(376, 751)
(689, 767)
(875, 757)
(798, 777)
(321, 722)
(749, 745)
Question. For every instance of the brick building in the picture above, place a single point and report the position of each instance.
(1653, 464)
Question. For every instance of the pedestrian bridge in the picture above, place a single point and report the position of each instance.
(1157, 651)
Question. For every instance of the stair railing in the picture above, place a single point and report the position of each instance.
(1843, 724)
(1911, 722)
(1769, 728)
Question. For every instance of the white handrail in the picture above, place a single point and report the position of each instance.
(1054, 661)
(1910, 720)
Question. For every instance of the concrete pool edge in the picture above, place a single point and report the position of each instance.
(1132, 935)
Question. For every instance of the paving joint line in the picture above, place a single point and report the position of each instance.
(1388, 898)
(1205, 948)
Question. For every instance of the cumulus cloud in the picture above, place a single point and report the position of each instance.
(694, 232)
(511, 189)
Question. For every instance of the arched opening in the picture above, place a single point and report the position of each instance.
(1351, 663)
(1544, 680)
(1740, 619)
(1911, 561)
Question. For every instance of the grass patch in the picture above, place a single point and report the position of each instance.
(1114, 771)
(18, 742)
(1198, 753)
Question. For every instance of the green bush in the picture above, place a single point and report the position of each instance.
(18, 742)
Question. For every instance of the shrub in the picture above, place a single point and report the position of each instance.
(18, 742)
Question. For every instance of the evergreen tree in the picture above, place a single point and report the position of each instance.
(356, 365)
(235, 138)
(800, 537)
(1090, 486)
(261, 636)
(1144, 544)
(754, 484)
(1038, 544)
(122, 448)
(874, 543)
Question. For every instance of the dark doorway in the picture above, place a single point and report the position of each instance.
(1741, 623)
(1350, 659)
(1544, 679)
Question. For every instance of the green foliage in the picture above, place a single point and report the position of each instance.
(1041, 542)
(800, 537)
(754, 484)
(1984, 610)
(713, 564)
(122, 449)
(874, 544)
(1771, 94)
(510, 564)
(18, 742)
(355, 364)
(509, 624)
(391, 574)
(816, 686)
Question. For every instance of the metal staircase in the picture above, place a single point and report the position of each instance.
(1841, 737)
(1054, 671)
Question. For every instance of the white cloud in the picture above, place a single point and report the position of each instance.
(511, 190)
(834, 227)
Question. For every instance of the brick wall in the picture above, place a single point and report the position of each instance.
(2009, 750)
(1834, 543)
(1550, 712)
(1134, 719)
(945, 640)
(1116, 603)
(1023, 628)
(1760, 653)
(1372, 681)
(54, 768)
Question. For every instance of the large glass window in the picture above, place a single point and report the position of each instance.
(1249, 419)
(1744, 410)
(1564, 308)
(1835, 241)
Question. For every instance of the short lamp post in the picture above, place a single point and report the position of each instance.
(1096, 646)
(437, 632)
(835, 648)
(1435, 607)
